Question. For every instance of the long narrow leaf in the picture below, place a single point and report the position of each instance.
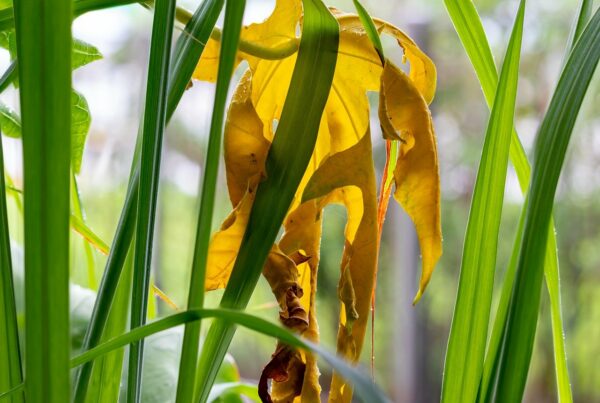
(44, 49)
(105, 381)
(551, 144)
(155, 114)
(490, 371)
(10, 364)
(364, 387)
(286, 162)
(185, 61)
(234, 13)
(470, 30)
(466, 346)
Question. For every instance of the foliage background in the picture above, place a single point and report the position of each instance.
(410, 342)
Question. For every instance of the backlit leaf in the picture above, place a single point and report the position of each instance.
(341, 171)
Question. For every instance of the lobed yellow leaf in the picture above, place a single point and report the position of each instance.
(340, 171)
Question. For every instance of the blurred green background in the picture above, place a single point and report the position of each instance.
(410, 341)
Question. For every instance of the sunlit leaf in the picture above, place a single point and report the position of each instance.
(340, 171)
(10, 122)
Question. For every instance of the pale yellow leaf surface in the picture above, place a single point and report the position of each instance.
(417, 173)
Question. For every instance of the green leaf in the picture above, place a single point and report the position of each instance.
(154, 122)
(364, 387)
(227, 392)
(370, 28)
(470, 30)
(466, 345)
(105, 381)
(10, 364)
(234, 13)
(189, 47)
(83, 53)
(286, 162)
(9, 76)
(45, 95)
(80, 126)
(551, 145)
(181, 72)
(10, 122)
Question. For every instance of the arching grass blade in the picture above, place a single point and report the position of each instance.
(363, 386)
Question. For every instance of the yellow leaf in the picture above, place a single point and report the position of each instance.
(417, 173)
(340, 171)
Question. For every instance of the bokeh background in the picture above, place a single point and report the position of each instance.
(410, 342)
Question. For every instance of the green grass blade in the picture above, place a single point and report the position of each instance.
(44, 48)
(10, 365)
(363, 386)
(583, 16)
(286, 162)
(466, 346)
(189, 46)
(370, 28)
(4, 396)
(180, 72)
(8, 76)
(490, 371)
(470, 30)
(234, 13)
(105, 381)
(154, 122)
(551, 144)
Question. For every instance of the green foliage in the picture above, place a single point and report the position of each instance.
(299, 119)
(466, 346)
(45, 95)
(476, 368)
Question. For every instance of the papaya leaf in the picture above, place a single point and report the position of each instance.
(10, 122)
(340, 171)
(80, 126)
(83, 53)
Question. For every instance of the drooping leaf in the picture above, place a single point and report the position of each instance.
(286, 161)
(257, 104)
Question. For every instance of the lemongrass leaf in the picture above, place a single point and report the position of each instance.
(45, 95)
(124, 233)
(154, 122)
(10, 365)
(364, 387)
(551, 144)
(470, 30)
(234, 13)
(466, 345)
